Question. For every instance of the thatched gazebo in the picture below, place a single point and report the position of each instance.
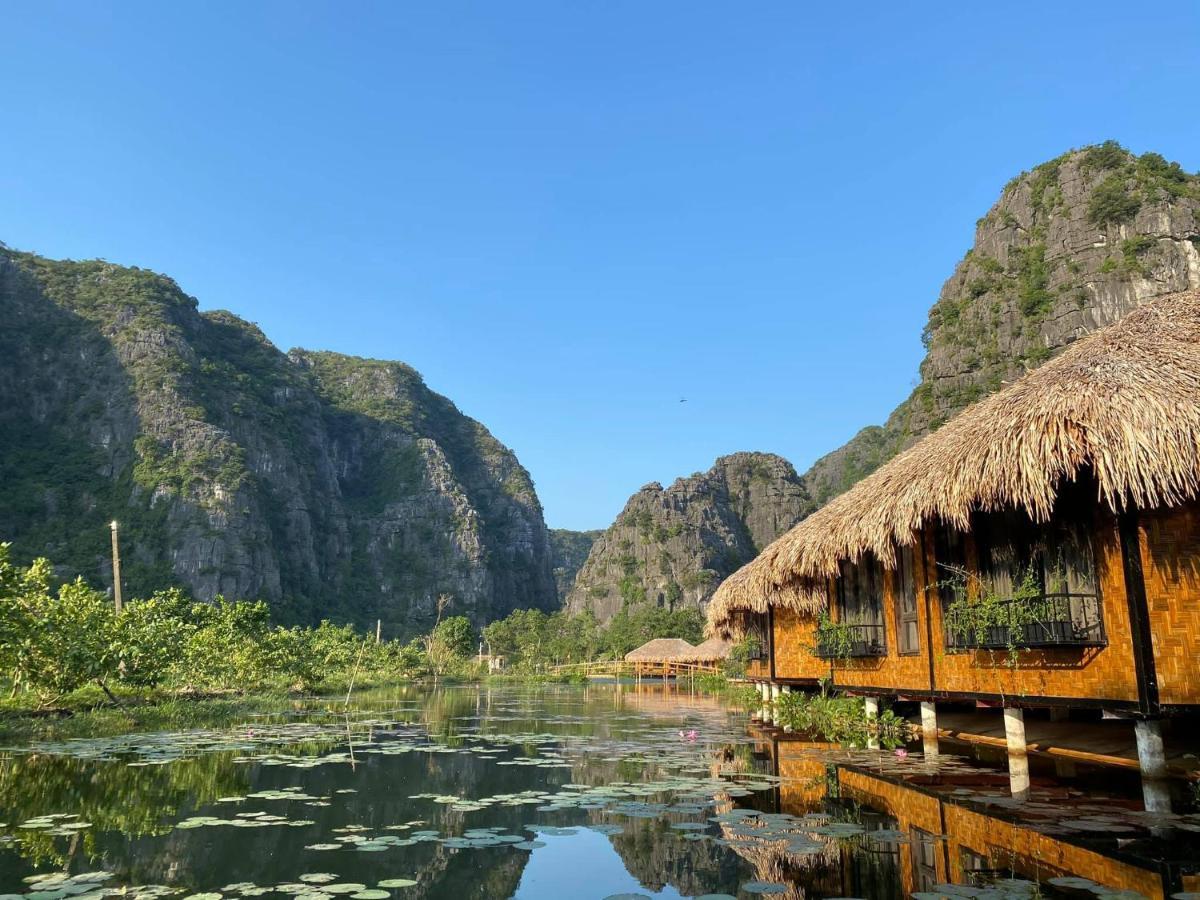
(714, 650)
(661, 656)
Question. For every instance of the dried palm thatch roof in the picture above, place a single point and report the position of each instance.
(714, 649)
(751, 590)
(663, 650)
(1123, 402)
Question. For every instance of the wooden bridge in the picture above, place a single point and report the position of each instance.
(621, 668)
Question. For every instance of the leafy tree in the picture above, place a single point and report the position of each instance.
(150, 636)
(52, 642)
(224, 650)
(632, 628)
(456, 635)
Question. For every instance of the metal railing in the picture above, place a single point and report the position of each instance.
(865, 640)
(1052, 620)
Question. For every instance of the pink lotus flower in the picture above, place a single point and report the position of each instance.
(689, 735)
(901, 754)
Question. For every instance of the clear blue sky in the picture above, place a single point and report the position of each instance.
(568, 216)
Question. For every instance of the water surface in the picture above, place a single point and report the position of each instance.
(550, 792)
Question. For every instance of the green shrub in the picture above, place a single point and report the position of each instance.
(1109, 155)
(1132, 250)
(1112, 202)
(1033, 279)
(840, 719)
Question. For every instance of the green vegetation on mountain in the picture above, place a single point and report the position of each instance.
(1071, 246)
(328, 486)
(569, 551)
(670, 547)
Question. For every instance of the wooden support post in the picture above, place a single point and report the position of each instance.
(1018, 752)
(379, 633)
(929, 733)
(116, 563)
(871, 709)
(1152, 760)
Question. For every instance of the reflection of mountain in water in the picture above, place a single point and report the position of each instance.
(657, 856)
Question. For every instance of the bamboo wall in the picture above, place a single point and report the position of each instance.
(902, 673)
(1170, 548)
(758, 670)
(1170, 545)
(792, 640)
(1094, 673)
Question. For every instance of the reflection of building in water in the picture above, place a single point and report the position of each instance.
(1041, 549)
(979, 841)
(956, 825)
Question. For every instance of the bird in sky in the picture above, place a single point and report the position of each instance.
(683, 399)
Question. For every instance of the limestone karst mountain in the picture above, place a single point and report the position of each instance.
(1070, 246)
(328, 485)
(672, 546)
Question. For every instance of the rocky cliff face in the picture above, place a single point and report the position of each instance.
(672, 546)
(1070, 247)
(569, 551)
(331, 486)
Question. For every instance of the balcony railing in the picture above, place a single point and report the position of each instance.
(1052, 620)
(864, 640)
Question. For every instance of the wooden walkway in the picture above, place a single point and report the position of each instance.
(619, 668)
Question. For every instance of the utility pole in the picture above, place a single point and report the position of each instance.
(116, 550)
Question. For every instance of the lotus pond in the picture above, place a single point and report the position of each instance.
(604, 791)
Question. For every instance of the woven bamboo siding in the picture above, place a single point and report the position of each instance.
(804, 772)
(792, 641)
(909, 672)
(1035, 855)
(911, 809)
(1170, 541)
(758, 669)
(1105, 673)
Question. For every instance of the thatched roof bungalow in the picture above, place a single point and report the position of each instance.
(1102, 441)
(663, 650)
(713, 650)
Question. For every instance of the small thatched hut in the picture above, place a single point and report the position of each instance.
(1072, 491)
(662, 656)
(661, 650)
(714, 650)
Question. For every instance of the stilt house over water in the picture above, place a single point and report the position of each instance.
(1042, 548)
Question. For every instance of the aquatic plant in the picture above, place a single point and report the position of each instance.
(841, 720)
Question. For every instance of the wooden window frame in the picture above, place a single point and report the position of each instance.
(905, 617)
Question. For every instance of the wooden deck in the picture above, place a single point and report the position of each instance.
(1108, 743)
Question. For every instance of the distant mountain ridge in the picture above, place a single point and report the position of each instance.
(672, 546)
(331, 486)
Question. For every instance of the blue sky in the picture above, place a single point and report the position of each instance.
(568, 216)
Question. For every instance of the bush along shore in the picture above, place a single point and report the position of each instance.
(65, 648)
